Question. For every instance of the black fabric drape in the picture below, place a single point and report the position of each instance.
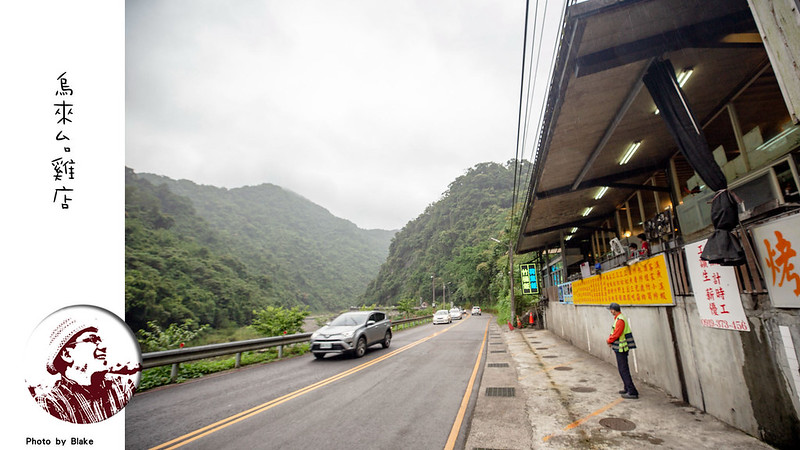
(722, 247)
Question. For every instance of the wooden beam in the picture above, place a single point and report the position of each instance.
(577, 223)
(702, 35)
(632, 94)
(609, 180)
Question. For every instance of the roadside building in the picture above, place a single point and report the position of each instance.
(625, 154)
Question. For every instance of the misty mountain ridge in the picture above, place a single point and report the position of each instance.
(158, 179)
(300, 253)
(215, 254)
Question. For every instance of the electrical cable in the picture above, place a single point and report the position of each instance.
(556, 47)
(519, 117)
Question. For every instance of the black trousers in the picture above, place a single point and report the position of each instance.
(625, 372)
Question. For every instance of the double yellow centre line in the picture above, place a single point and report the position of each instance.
(219, 425)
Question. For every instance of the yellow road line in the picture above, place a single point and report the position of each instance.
(584, 419)
(451, 440)
(219, 425)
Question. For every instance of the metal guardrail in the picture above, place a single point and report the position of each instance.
(186, 354)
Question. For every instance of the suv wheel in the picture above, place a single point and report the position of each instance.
(361, 347)
(387, 339)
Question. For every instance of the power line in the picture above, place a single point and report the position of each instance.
(532, 93)
(519, 118)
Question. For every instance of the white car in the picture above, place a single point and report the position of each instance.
(441, 316)
(455, 313)
(476, 310)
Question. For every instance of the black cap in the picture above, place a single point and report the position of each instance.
(614, 306)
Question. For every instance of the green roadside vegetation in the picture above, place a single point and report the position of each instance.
(207, 265)
(270, 322)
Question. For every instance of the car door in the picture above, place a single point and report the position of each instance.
(374, 331)
(371, 330)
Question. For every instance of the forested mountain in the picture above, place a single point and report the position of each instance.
(214, 254)
(452, 241)
(309, 256)
(177, 267)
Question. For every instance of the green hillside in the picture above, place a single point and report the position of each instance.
(214, 254)
(323, 261)
(177, 267)
(451, 240)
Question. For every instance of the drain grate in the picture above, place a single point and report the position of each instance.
(498, 364)
(583, 389)
(501, 392)
(541, 348)
(495, 343)
(562, 368)
(550, 356)
(536, 342)
(497, 351)
(615, 423)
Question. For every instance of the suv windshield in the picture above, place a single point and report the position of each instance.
(350, 319)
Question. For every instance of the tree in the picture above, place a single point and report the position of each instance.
(155, 339)
(406, 306)
(277, 320)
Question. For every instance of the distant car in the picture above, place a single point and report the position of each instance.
(476, 310)
(441, 316)
(352, 333)
(455, 313)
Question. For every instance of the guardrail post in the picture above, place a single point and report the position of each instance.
(280, 351)
(238, 360)
(173, 374)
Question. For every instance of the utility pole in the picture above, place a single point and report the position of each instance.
(433, 291)
(511, 276)
(510, 273)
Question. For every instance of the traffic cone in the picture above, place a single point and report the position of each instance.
(510, 327)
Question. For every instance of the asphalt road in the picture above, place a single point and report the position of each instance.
(408, 396)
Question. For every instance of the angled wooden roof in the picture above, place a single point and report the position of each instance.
(597, 104)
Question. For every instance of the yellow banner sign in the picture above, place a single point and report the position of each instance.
(642, 283)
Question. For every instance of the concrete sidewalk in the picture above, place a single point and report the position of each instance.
(538, 391)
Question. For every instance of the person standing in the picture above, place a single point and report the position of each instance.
(621, 342)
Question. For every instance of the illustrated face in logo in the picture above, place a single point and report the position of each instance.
(87, 353)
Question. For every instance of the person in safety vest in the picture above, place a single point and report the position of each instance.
(621, 342)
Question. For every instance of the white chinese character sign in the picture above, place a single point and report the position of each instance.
(716, 291)
(776, 243)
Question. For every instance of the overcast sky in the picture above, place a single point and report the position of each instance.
(367, 108)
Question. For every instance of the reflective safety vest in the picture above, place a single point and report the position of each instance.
(625, 341)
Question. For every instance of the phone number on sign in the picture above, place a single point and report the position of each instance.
(727, 325)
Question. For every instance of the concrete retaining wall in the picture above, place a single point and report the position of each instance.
(746, 379)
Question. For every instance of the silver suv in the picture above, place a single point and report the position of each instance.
(352, 332)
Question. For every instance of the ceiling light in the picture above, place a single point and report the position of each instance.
(587, 211)
(601, 193)
(629, 153)
(574, 229)
(568, 237)
(683, 76)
